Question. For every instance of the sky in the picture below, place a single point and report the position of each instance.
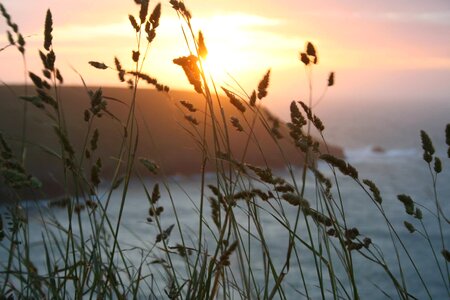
(388, 50)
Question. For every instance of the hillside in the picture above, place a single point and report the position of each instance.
(165, 136)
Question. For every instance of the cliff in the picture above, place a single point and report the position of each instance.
(166, 136)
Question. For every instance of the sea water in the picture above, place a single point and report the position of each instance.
(382, 141)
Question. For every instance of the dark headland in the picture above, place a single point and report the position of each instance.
(165, 136)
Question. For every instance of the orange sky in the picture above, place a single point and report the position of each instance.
(377, 49)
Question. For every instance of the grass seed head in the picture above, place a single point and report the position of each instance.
(345, 168)
(135, 55)
(354, 246)
(275, 129)
(407, 202)
(295, 200)
(427, 146)
(51, 58)
(155, 16)
(304, 58)
(202, 50)
(215, 211)
(253, 98)
(297, 118)
(447, 134)
(94, 140)
(307, 110)
(87, 115)
(182, 250)
(225, 257)
(236, 124)
(91, 204)
(59, 76)
(37, 81)
(78, 208)
(156, 194)
(181, 8)
(64, 141)
(189, 106)
(374, 189)
(234, 100)
(21, 43)
(261, 194)
(437, 165)
(351, 234)
(46, 85)
(318, 123)
(143, 11)
(149, 165)
(286, 188)
(191, 119)
(44, 63)
(98, 65)
(95, 173)
(331, 79)
(319, 217)
(190, 68)
(46, 98)
(2, 233)
(48, 30)
(165, 234)
(10, 38)
(409, 226)
(120, 70)
(134, 23)
(446, 254)
(5, 13)
(447, 138)
(263, 85)
(418, 214)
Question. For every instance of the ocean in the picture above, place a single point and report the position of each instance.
(382, 140)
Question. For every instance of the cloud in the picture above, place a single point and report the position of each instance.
(430, 17)
(88, 32)
(440, 17)
(240, 20)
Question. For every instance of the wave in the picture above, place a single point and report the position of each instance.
(376, 153)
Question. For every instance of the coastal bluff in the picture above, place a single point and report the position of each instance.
(165, 127)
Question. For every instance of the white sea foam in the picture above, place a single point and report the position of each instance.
(370, 154)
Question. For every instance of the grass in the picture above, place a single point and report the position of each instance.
(230, 253)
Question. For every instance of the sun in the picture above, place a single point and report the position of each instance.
(231, 48)
(222, 55)
(223, 62)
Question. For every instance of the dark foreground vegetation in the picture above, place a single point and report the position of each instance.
(90, 151)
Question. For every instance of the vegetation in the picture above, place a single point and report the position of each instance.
(230, 254)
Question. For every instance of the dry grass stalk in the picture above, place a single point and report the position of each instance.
(190, 68)
(234, 100)
(263, 85)
(374, 189)
(192, 120)
(236, 124)
(48, 31)
(407, 202)
(215, 211)
(296, 200)
(345, 168)
(189, 106)
(202, 50)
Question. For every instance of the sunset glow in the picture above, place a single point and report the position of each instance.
(245, 40)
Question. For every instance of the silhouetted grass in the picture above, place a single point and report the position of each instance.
(230, 254)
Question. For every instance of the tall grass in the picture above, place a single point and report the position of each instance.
(229, 254)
